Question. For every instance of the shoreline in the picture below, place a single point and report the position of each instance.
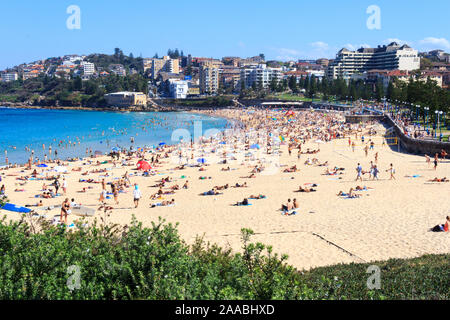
(80, 154)
(77, 108)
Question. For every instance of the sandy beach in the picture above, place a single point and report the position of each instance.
(391, 219)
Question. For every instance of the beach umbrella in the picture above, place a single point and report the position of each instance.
(162, 144)
(201, 160)
(143, 165)
(42, 165)
(115, 149)
(255, 146)
(223, 142)
(60, 169)
(289, 114)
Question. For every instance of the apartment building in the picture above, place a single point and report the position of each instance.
(10, 76)
(231, 61)
(229, 76)
(30, 74)
(323, 62)
(166, 64)
(117, 69)
(390, 57)
(260, 75)
(209, 79)
(178, 89)
(126, 99)
(88, 68)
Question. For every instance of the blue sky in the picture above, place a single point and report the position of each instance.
(283, 29)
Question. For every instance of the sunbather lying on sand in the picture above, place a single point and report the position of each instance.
(163, 203)
(211, 192)
(222, 187)
(359, 188)
(444, 179)
(242, 203)
(260, 196)
(350, 194)
(306, 189)
(291, 169)
(243, 185)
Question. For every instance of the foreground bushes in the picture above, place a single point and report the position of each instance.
(154, 263)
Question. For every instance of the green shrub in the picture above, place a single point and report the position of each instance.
(132, 262)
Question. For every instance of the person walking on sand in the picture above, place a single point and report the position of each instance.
(436, 160)
(428, 160)
(64, 185)
(136, 195)
(392, 172)
(115, 192)
(375, 172)
(359, 172)
(376, 157)
(371, 170)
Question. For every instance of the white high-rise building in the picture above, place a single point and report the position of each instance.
(260, 75)
(390, 57)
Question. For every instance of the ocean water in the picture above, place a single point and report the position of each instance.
(70, 132)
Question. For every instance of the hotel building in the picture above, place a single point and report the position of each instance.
(390, 57)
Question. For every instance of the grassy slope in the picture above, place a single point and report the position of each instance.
(426, 277)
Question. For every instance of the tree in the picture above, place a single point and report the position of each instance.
(77, 84)
(273, 84)
(293, 84)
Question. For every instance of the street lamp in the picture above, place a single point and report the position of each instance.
(426, 117)
(438, 114)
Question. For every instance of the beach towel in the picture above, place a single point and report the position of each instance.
(14, 208)
(289, 213)
(242, 205)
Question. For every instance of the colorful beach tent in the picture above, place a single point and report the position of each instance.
(201, 160)
(255, 146)
(42, 165)
(143, 165)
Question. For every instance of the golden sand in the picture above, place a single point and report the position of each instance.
(389, 221)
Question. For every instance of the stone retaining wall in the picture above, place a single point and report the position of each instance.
(417, 146)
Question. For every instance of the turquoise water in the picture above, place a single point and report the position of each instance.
(60, 129)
